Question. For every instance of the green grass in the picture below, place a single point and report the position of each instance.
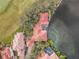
(10, 18)
(4, 4)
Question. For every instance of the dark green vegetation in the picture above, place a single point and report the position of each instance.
(31, 16)
(41, 45)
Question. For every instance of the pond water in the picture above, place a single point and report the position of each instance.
(66, 24)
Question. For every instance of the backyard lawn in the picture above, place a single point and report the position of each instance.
(10, 12)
